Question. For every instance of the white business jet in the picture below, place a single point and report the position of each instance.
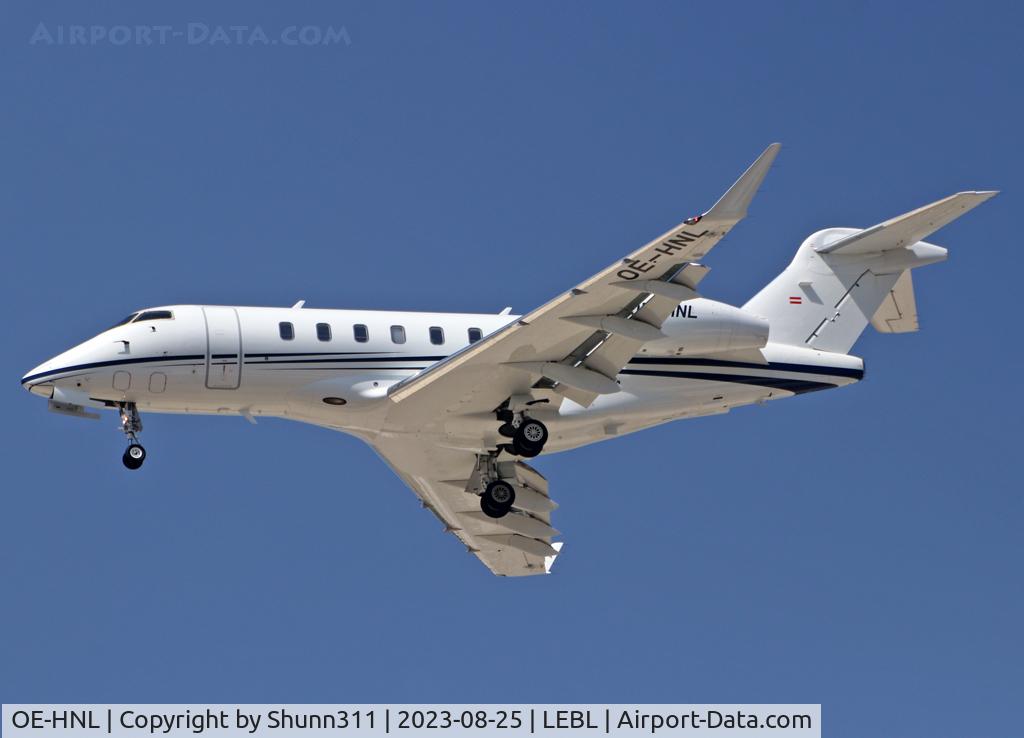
(454, 401)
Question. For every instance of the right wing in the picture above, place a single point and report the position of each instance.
(446, 480)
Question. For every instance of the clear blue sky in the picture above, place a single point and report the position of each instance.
(860, 548)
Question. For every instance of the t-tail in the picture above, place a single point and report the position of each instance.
(841, 279)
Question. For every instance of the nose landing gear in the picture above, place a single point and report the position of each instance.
(131, 424)
(134, 456)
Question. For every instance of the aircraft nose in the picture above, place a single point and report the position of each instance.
(32, 379)
(42, 380)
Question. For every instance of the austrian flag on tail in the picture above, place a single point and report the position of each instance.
(794, 300)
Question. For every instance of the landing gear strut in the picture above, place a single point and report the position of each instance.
(131, 424)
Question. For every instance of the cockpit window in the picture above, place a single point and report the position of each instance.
(129, 319)
(154, 315)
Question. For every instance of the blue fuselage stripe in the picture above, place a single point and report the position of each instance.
(797, 386)
(348, 360)
(114, 362)
(832, 371)
(377, 359)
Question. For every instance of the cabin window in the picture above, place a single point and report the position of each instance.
(323, 331)
(361, 333)
(436, 335)
(154, 315)
(398, 334)
(475, 334)
(287, 331)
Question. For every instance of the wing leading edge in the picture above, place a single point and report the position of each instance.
(589, 328)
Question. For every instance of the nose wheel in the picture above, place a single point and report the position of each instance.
(133, 456)
(131, 424)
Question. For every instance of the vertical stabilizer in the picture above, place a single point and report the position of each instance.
(843, 278)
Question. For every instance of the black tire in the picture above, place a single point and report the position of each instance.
(490, 510)
(500, 493)
(526, 451)
(497, 499)
(133, 456)
(531, 434)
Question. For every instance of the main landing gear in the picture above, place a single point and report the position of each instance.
(528, 435)
(490, 478)
(497, 499)
(131, 424)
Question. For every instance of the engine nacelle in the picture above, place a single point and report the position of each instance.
(704, 326)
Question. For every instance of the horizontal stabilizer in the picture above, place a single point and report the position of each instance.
(898, 311)
(909, 228)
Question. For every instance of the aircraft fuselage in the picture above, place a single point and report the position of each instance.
(334, 367)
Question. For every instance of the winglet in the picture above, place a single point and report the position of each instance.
(734, 203)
